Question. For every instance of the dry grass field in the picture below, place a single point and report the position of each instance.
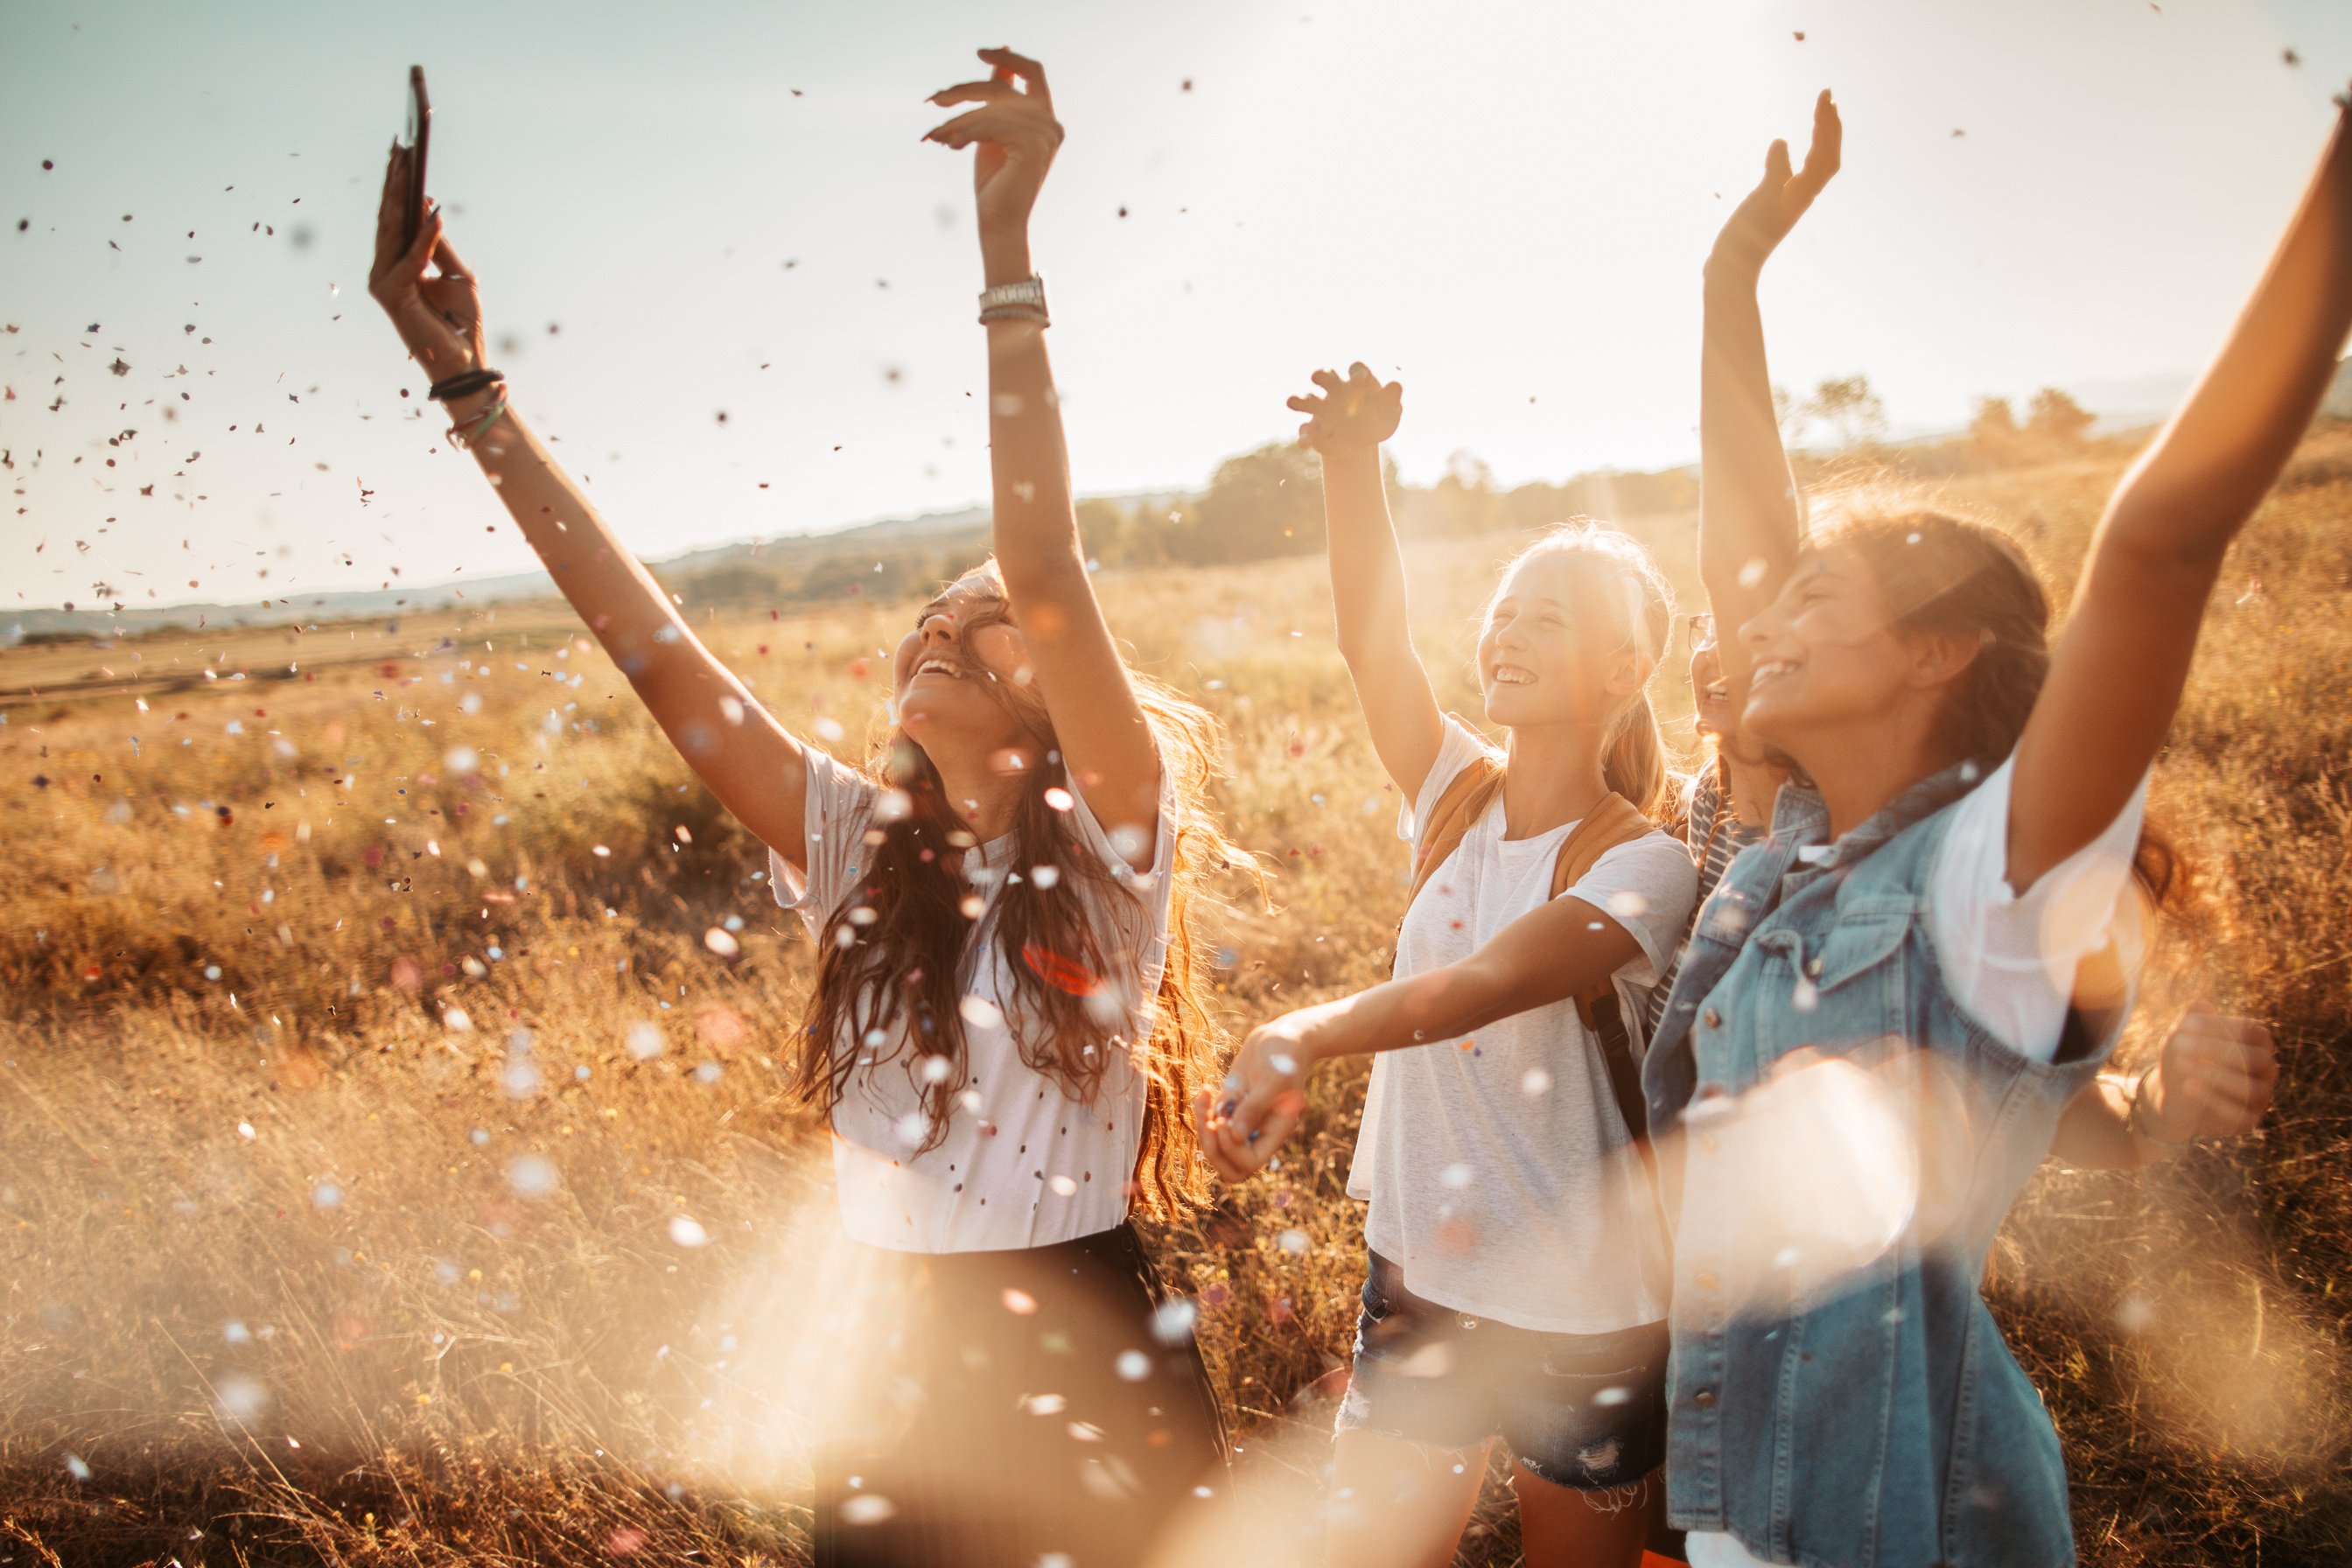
(392, 1171)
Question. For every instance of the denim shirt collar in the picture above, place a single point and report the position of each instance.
(1801, 816)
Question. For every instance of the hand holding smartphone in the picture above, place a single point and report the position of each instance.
(420, 132)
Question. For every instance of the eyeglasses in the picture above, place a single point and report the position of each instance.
(1702, 631)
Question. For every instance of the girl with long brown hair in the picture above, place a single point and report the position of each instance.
(1007, 1027)
(1918, 975)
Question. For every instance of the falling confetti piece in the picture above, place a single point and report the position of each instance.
(531, 1177)
(686, 1232)
(1062, 974)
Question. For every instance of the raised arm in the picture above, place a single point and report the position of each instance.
(751, 763)
(1105, 741)
(1346, 421)
(1546, 955)
(1748, 520)
(2117, 674)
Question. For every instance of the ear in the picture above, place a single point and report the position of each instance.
(1629, 672)
(1939, 658)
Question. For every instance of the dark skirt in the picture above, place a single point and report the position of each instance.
(1027, 1412)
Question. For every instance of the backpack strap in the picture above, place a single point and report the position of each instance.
(1616, 821)
(1457, 811)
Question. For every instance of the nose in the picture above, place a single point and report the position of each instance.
(1757, 630)
(936, 627)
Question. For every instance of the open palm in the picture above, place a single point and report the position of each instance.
(1359, 411)
(1764, 217)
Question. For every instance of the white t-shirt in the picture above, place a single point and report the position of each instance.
(1501, 1176)
(1023, 1165)
(2009, 958)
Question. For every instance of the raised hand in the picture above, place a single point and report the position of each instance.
(1351, 416)
(1763, 219)
(2215, 1079)
(1262, 1098)
(439, 315)
(1015, 131)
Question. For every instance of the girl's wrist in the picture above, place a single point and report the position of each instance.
(1005, 257)
(473, 404)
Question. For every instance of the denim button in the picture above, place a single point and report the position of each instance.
(1704, 1399)
(1466, 1320)
(1705, 1280)
(1813, 967)
(1713, 1019)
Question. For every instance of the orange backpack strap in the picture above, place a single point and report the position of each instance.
(1457, 811)
(1615, 821)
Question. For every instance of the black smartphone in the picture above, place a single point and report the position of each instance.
(420, 132)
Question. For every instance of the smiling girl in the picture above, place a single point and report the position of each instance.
(1517, 1268)
(1006, 1024)
(1925, 964)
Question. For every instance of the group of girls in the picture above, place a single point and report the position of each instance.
(1906, 873)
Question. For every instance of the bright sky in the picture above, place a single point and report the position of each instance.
(1507, 203)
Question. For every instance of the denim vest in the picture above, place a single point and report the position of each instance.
(1877, 1421)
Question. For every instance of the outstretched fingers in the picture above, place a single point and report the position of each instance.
(388, 209)
(1023, 68)
(1827, 152)
(444, 257)
(992, 90)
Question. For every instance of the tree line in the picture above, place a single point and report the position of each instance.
(1269, 501)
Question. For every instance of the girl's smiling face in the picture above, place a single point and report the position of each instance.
(963, 670)
(1825, 652)
(1554, 648)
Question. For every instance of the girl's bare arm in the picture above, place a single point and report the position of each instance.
(2117, 674)
(1346, 421)
(749, 759)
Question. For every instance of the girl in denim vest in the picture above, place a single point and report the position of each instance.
(1885, 1006)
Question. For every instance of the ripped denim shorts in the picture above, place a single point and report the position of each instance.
(1586, 1411)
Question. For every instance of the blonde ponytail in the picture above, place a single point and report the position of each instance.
(1634, 762)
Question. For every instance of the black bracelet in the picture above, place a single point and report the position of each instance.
(471, 381)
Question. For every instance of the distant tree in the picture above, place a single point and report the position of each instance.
(1260, 503)
(1464, 498)
(1115, 536)
(1994, 429)
(2057, 418)
(731, 586)
(1847, 405)
(1789, 414)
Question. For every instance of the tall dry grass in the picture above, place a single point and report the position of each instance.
(392, 1170)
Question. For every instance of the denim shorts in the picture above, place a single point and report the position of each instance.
(1586, 1411)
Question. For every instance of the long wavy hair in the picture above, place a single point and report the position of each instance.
(1941, 573)
(894, 961)
(1633, 752)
